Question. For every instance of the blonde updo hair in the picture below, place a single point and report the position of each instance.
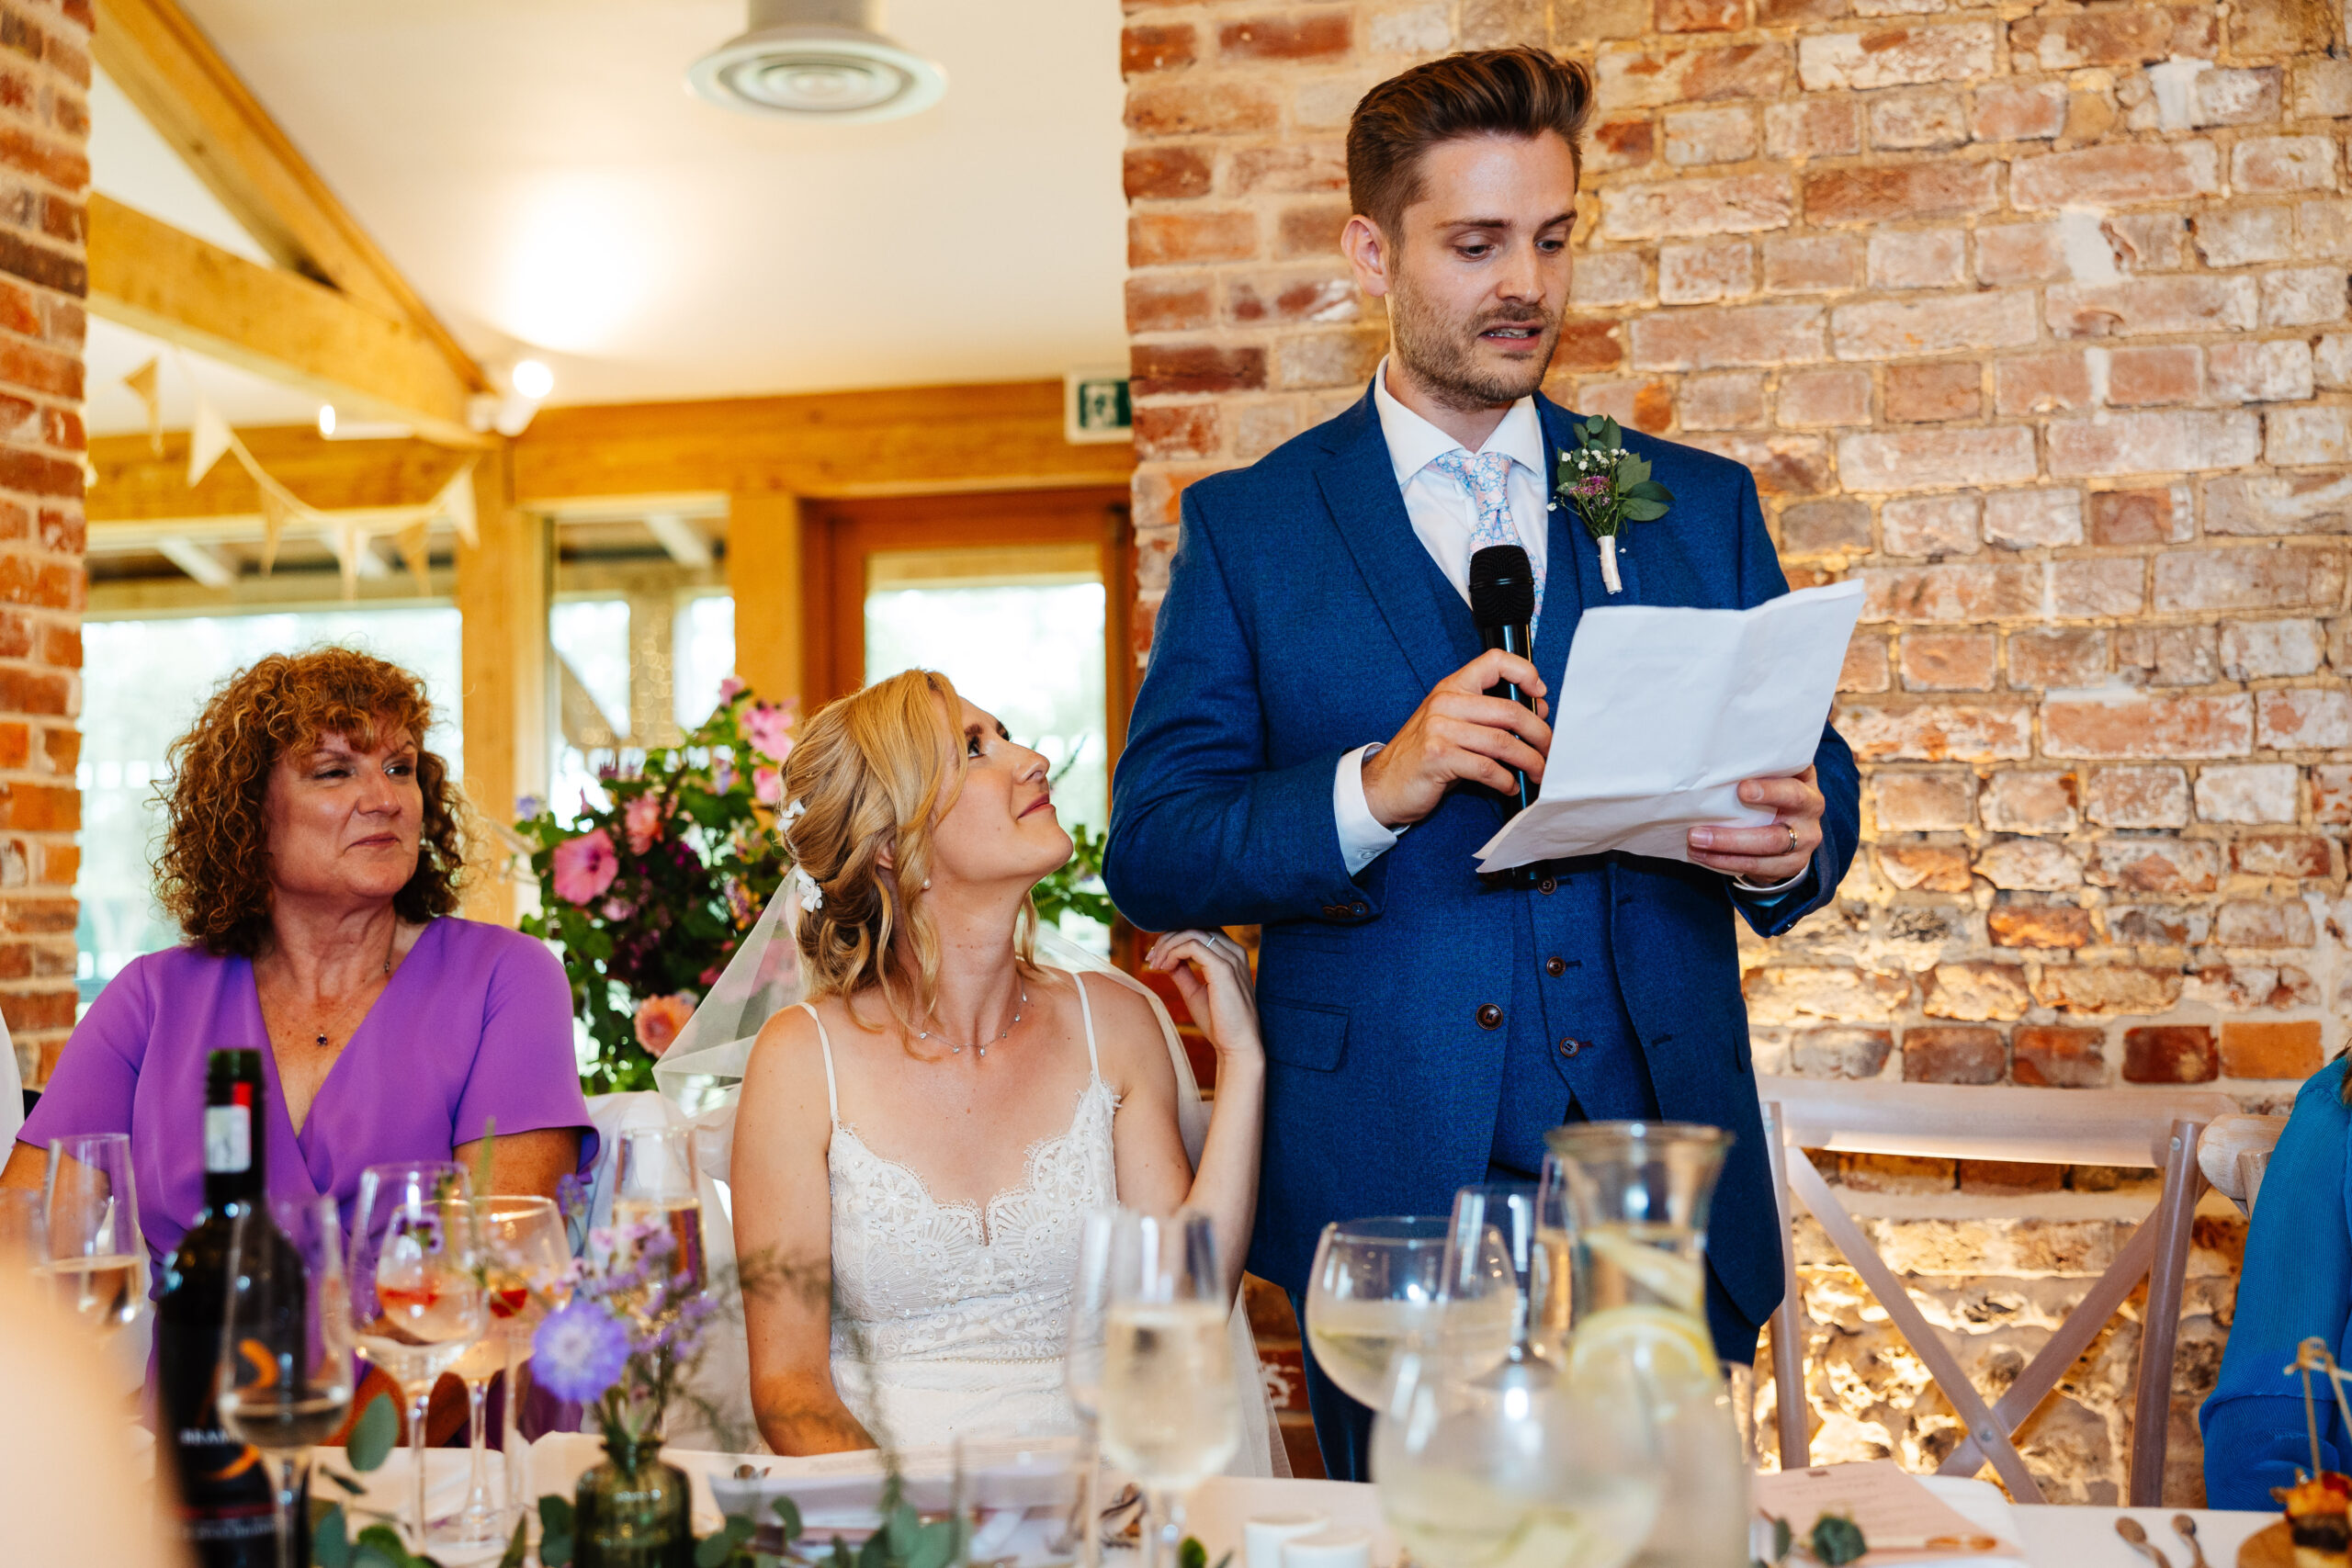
(869, 773)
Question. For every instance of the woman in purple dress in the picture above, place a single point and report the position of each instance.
(312, 854)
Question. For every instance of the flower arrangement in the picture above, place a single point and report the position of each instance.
(1608, 487)
(647, 895)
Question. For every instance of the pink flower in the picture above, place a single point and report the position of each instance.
(658, 1018)
(643, 819)
(731, 688)
(769, 729)
(585, 866)
(767, 784)
(1593, 488)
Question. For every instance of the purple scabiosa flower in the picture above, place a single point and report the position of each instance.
(578, 1351)
(1592, 488)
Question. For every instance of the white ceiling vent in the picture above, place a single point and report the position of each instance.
(816, 60)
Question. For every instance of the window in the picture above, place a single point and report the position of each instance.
(143, 683)
(703, 656)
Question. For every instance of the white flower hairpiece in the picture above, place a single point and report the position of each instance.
(794, 811)
(812, 895)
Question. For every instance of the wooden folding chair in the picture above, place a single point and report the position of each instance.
(2235, 1152)
(2157, 1128)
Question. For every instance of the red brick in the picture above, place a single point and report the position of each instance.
(1588, 345)
(27, 367)
(2304, 718)
(1812, 128)
(1736, 204)
(1782, 13)
(2093, 590)
(2126, 35)
(1885, 329)
(2136, 726)
(1162, 369)
(2271, 372)
(1176, 431)
(1936, 525)
(1922, 393)
(1953, 1053)
(1703, 274)
(1865, 668)
(2171, 1054)
(2119, 175)
(2156, 865)
(61, 746)
(41, 808)
(2138, 377)
(1160, 239)
(1701, 16)
(1310, 229)
(26, 1012)
(1327, 358)
(1814, 528)
(1936, 459)
(2297, 855)
(1619, 144)
(1948, 661)
(1325, 297)
(1810, 263)
(1815, 398)
(1953, 591)
(2009, 1178)
(1725, 135)
(2139, 517)
(1159, 302)
(1142, 50)
(1308, 36)
(1929, 803)
(1187, 108)
(1936, 188)
(1782, 465)
(2041, 926)
(2150, 305)
(1939, 732)
(2060, 658)
(16, 744)
(2283, 162)
(2059, 1057)
(2018, 111)
(1894, 56)
(1839, 993)
(1840, 1053)
(1733, 401)
(2248, 577)
(1312, 168)
(1636, 77)
(2154, 442)
(1166, 173)
(2267, 1050)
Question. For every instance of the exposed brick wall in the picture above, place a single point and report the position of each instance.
(44, 185)
(2032, 317)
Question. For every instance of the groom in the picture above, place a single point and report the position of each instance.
(1312, 750)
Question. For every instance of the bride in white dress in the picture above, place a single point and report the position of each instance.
(941, 1113)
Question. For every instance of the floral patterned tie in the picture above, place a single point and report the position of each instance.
(1484, 477)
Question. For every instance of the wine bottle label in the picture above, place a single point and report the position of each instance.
(228, 1138)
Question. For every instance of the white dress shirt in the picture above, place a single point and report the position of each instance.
(1444, 514)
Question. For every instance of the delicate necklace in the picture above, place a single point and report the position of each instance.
(954, 1049)
(338, 1019)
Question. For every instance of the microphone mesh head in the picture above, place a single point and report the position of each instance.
(1502, 587)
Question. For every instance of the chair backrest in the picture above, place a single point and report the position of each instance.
(2235, 1153)
(2040, 1126)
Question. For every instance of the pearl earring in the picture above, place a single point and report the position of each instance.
(926, 884)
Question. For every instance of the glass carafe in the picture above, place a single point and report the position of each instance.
(1624, 1205)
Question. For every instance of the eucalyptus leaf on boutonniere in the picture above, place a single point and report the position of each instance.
(1608, 487)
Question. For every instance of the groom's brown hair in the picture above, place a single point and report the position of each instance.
(1520, 93)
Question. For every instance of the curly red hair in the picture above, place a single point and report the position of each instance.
(212, 874)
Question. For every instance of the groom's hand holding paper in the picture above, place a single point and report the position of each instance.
(1685, 734)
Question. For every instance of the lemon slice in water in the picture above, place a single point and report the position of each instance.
(1669, 1350)
(1675, 1280)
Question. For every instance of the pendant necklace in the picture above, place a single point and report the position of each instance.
(955, 1050)
(321, 1036)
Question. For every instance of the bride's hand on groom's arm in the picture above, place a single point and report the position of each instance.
(1212, 973)
(1457, 734)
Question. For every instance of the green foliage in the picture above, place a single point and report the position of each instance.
(556, 1523)
(372, 1438)
(1078, 885)
(518, 1549)
(1837, 1540)
(703, 864)
(1606, 486)
(331, 1539)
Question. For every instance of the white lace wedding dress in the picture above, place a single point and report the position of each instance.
(950, 1318)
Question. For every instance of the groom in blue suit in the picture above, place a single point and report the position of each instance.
(1313, 752)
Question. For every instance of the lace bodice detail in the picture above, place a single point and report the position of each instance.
(920, 1280)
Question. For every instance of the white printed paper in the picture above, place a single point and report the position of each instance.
(1664, 710)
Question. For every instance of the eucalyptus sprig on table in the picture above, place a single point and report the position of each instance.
(1834, 1542)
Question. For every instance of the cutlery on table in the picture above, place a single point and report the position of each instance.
(2186, 1528)
(2129, 1528)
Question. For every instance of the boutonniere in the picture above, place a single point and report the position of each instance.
(1608, 487)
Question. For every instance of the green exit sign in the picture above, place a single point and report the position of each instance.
(1095, 405)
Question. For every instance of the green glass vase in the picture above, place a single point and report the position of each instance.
(633, 1511)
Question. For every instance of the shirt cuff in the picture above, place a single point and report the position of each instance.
(1361, 838)
(1774, 889)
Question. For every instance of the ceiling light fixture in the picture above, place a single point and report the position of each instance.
(816, 60)
(326, 420)
(531, 378)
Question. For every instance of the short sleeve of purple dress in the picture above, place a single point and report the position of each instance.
(474, 1026)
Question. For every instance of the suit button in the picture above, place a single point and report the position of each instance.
(1555, 967)
(1570, 1047)
(1547, 885)
(1489, 1016)
(1355, 909)
(1329, 910)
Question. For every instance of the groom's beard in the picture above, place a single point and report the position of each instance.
(1442, 354)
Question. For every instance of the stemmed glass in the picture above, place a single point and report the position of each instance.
(1089, 1301)
(1168, 1415)
(93, 1248)
(525, 1259)
(655, 1188)
(1374, 1282)
(286, 1374)
(1491, 1257)
(416, 1293)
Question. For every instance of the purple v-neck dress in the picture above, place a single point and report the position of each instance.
(474, 1025)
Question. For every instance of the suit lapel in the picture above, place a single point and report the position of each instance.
(1424, 614)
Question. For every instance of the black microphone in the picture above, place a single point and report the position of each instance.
(1502, 600)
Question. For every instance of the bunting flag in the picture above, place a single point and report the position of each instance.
(413, 542)
(141, 381)
(456, 502)
(346, 537)
(275, 515)
(208, 442)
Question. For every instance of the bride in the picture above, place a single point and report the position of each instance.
(942, 1111)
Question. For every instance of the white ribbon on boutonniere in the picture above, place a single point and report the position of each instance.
(1608, 487)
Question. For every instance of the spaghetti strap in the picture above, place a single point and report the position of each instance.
(825, 1045)
(1093, 1062)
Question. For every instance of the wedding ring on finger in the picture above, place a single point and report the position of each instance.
(1792, 836)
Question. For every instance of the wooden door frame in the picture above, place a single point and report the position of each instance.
(836, 537)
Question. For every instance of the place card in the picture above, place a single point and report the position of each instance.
(1901, 1520)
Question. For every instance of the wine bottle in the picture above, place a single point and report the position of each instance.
(224, 1485)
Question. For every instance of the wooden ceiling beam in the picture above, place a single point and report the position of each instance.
(149, 276)
(170, 72)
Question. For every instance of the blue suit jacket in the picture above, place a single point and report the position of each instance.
(1303, 619)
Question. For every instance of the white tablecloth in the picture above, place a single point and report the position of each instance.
(2051, 1536)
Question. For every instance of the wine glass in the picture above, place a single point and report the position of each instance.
(93, 1249)
(1490, 1261)
(527, 1260)
(286, 1374)
(1169, 1414)
(416, 1293)
(655, 1189)
(1082, 1372)
(1374, 1282)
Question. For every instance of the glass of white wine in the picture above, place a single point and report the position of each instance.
(655, 1189)
(285, 1376)
(92, 1248)
(525, 1259)
(1089, 1301)
(1374, 1282)
(416, 1289)
(1169, 1413)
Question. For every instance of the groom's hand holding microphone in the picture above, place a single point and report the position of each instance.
(1460, 734)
